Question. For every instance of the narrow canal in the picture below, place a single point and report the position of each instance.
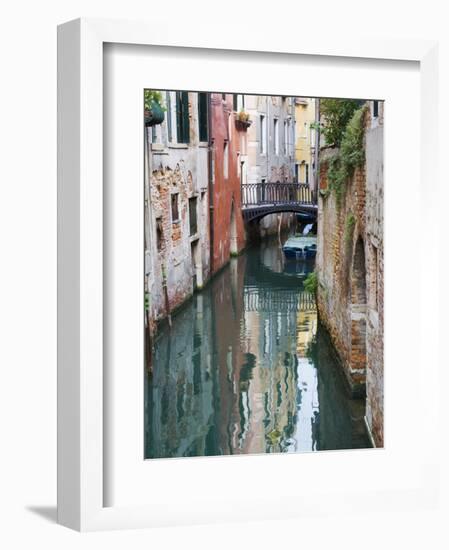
(247, 368)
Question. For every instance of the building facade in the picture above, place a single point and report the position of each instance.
(228, 149)
(177, 258)
(305, 136)
(271, 147)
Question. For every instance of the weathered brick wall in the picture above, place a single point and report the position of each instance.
(173, 256)
(350, 273)
(336, 248)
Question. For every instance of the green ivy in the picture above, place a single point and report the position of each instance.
(350, 156)
(349, 227)
(336, 115)
(311, 282)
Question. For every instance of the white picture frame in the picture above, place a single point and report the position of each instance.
(81, 407)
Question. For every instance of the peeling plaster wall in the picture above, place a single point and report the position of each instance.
(175, 169)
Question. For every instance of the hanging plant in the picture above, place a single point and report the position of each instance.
(153, 110)
(242, 120)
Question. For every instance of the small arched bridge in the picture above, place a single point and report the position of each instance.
(261, 199)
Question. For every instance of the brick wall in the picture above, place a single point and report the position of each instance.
(350, 273)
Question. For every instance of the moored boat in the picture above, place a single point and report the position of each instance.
(300, 248)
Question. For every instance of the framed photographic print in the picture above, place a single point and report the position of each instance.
(234, 341)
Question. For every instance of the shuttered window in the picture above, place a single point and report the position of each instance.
(182, 117)
(202, 117)
(193, 216)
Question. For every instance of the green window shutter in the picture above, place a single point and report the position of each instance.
(178, 117)
(203, 117)
(182, 117)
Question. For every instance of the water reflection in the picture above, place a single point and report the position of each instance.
(246, 368)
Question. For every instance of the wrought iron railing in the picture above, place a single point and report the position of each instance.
(256, 194)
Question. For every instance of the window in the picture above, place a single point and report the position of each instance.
(159, 233)
(263, 135)
(375, 109)
(226, 160)
(174, 208)
(203, 117)
(312, 136)
(182, 117)
(307, 173)
(276, 136)
(285, 138)
(297, 173)
(193, 215)
(238, 102)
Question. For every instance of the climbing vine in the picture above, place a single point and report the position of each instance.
(350, 155)
(349, 227)
(336, 115)
(311, 282)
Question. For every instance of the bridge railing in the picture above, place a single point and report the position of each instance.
(278, 301)
(256, 194)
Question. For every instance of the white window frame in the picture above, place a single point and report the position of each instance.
(276, 136)
(263, 134)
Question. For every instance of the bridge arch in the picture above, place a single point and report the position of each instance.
(307, 213)
(261, 199)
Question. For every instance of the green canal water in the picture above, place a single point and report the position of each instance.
(247, 368)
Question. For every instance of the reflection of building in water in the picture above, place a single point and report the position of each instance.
(233, 379)
(269, 396)
(180, 405)
(306, 329)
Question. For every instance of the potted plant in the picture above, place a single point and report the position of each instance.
(242, 120)
(153, 110)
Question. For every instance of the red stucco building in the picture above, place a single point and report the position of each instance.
(227, 168)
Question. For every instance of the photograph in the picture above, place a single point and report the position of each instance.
(263, 274)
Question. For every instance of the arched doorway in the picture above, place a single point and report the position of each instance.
(358, 316)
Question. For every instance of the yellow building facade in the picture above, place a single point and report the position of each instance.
(305, 139)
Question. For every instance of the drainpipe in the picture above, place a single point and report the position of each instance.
(210, 183)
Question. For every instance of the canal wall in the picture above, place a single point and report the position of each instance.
(350, 270)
